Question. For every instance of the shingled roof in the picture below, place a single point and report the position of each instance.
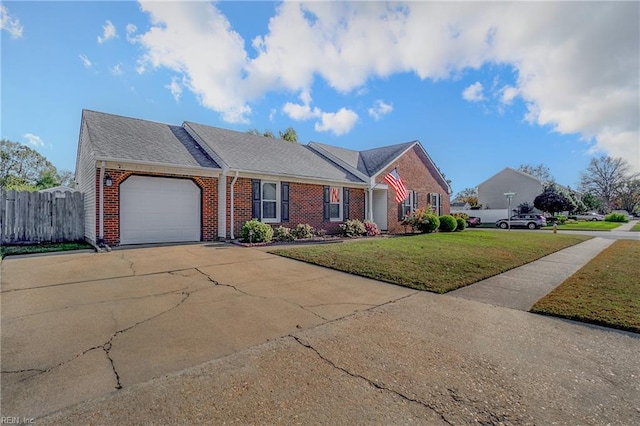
(258, 154)
(123, 138)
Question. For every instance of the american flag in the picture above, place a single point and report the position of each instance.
(394, 179)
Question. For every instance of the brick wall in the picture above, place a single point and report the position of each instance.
(418, 175)
(305, 206)
(209, 204)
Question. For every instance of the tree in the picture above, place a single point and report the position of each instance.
(22, 168)
(467, 195)
(553, 200)
(591, 202)
(604, 178)
(628, 197)
(289, 135)
(540, 171)
(525, 208)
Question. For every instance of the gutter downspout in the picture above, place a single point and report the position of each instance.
(222, 204)
(233, 182)
(372, 185)
(101, 206)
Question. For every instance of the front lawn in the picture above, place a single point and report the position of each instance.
(587, 226)
(606, 291)
(438, 262)
(7, 250)
(636, 228)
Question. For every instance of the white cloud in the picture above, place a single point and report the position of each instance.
(9, 23)
(196, 41)
(576, 63)
(379, 109)
(175, 88)
(85, 61)
(508, 94)
(117, 70)
(34, 140)
(339, 123)
(473, 93)
(108, 32)
(131, 30)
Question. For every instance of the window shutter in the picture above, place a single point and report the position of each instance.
(325, 205)
(400, 215)
(255, 199)
(345, 204)
(415, 200)
(285, 201)
(439, 204)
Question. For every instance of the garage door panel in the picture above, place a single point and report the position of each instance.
(154, 210)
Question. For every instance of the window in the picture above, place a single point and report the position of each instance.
(335, 204)
(270, 202)
(407, 206)
(434, 201)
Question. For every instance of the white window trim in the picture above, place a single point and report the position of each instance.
(410, 200)
(340, 204)
(278, 202)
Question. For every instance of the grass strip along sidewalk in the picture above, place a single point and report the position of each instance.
(8, 250)
(438, 262)
(587, 226)
(606, 291)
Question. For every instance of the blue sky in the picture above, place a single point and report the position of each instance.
(483, 85)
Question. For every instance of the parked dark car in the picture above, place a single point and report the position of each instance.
(531, 221)
(473, 221)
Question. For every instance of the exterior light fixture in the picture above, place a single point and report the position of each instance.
(108, 181)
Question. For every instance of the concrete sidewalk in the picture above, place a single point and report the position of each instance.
(626, 226)
(521, 287)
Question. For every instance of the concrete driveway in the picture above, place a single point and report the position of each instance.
(216, 334)
(78, 326)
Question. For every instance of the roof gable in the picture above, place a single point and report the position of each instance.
(123, 138)
(262, 155)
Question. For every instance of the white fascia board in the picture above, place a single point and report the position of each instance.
(149, 166)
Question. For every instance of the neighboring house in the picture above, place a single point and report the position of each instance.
(148, 182)
(459, 206)
(491, 191)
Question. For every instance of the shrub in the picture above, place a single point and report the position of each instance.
(616, 217)
(458, 215)
(422, 220)
(561, 219)
(321, 233)
(283, 234)
(254, 231)
(302, 231)
(371, 228)
(353, 228)
(462, 224)
(447, 223)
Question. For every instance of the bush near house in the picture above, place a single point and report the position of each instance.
(302, 231)
(353, 228)
(448, 223)
(254, 231)
(616, 217)
(283, 233)
(462, 224)
(371, 228)
(422, 220)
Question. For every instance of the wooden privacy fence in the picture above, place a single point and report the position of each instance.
(36, 217)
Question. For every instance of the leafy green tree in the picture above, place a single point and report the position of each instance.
(591, 202)
(467, 195)
(289, 135)
(23, 168)
(553, 200)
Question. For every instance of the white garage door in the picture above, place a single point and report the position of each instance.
(159, 210)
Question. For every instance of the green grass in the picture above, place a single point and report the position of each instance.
(438, 262)
(587, 226)
(8, 250)
(636, 227)
(606, 291)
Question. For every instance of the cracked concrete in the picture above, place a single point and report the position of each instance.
(150, 312)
